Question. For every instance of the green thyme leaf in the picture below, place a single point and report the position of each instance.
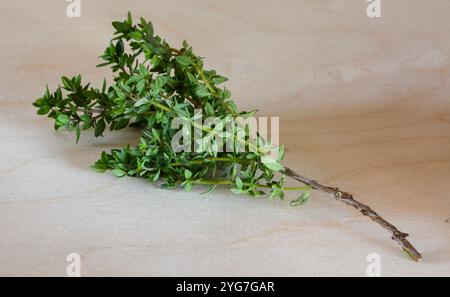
(183, 60)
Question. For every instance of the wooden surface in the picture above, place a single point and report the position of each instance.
(364, 104)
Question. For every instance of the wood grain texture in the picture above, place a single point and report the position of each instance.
(363, 103)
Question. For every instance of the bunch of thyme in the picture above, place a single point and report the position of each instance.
(154, 84)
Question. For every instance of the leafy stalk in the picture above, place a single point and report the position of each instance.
(154, 83)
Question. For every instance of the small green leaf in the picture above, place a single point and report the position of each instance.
(78, 133)
(100, 168)
(85, 118)
(43, 110)
(277, 192)
(161, 81)
(120, 124)
(187, 174)
(156, 176)
(121, 94)
(183, 60)
(226, 94)
(150, 30)
(272, 164)
(302, 199)
(104, 86)
(141, 102)
(234, 170)
(100, 128)
(129, 18)
(202, 92)
(281, 152)
(67, 83)
(143, 70)
(237, 191)
(119, 172)
(219, 80)
(188, 187)
(209, 110)
(239, 183)
(76, 81)
(122, 27)
(63, 119)
(47, 93)
(103, 64)
(90, 94)
(191, 78)
(136, 35)
(140, 86)
(40, 102)
(120, 48)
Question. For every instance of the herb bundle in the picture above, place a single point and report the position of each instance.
(154, 84)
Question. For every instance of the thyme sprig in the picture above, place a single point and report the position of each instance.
(154, 83)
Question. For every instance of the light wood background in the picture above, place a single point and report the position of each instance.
(364, 104)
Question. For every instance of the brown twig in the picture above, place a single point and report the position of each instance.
(348, 199)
